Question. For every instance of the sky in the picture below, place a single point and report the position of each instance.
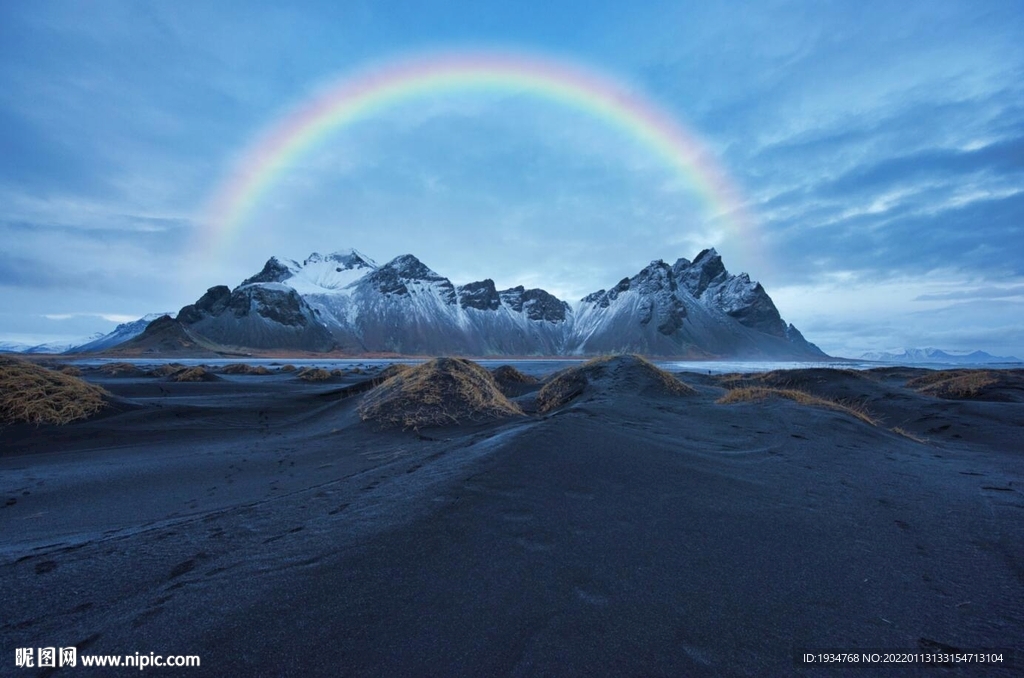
(876, 149)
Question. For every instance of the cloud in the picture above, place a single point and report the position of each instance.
(1003, 157)
(109, 317)
(1009, 292)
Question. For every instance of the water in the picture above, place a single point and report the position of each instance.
(537, 368)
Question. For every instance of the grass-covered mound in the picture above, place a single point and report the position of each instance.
(35, 395)
(507, 373)
(439, 392)
(121, 369)
(166, 370)
(197, 373)
(969, 384)
(392, 370)
(313, 374)
(807, 379)
(244, 368)
(621, 374)
(746, 394)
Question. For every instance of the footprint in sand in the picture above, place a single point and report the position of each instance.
(46, 566)
(185, 566)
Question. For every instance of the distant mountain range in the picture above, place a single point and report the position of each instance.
(46, 348)
(347, 303)
(912, 356)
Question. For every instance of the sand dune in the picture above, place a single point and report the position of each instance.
(256, 521)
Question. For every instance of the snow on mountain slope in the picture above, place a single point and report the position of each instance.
(318, 274)
(119, 335)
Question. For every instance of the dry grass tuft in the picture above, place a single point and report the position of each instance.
(955, 384)
(244, 368)
(565, 387)
(313, 374)
(439, 392)
(907, 434)
(746, 394)
(392, 370)
(286, 368)
(785, 379)
(511, 375)
(166, 370)
(35, 395)
(337, 373)
(70, 370)
(635, 370)
(198, 373)
(114, 369)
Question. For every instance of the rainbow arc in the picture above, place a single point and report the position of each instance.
(360, 95)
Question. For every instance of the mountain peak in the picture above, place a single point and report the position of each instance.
(395, 277)
(350, 258)
(409, 267)
(274, 271)
(707, 269)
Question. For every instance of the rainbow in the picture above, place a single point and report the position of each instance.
(359, 95)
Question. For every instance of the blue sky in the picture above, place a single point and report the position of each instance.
(879, 146)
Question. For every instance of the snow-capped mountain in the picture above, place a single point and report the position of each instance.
(689, 308)
(912, 356)
(347, 302)
(119, 335)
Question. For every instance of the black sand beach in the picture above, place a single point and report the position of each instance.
(257, 522)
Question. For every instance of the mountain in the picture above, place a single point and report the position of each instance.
(914, 356)
(167, 335)
(119, 335)
(52, 347)
(265, 315)
(692, 309)
(345, 301)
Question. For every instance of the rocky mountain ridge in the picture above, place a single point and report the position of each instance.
(346, 302)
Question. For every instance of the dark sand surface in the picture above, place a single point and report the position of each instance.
(256, 522)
